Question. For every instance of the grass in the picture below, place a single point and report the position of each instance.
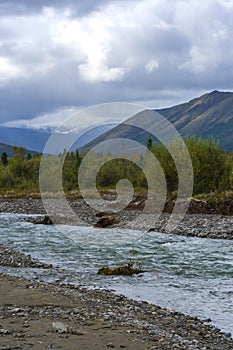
(126, 270)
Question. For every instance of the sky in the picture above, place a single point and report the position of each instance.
(57, 57)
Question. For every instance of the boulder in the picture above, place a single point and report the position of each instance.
(106, 221)
(45, 221)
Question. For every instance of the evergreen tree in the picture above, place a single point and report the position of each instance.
(29, 156)
(4, 158)
(149, 144)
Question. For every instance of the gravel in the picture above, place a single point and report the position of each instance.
(158, 327)
(12, 258)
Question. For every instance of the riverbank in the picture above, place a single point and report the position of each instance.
(203, 225)
(93, 319)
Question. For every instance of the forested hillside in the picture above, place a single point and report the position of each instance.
(213, 169)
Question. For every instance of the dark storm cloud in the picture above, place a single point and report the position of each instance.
(30, 6)
(57, 54)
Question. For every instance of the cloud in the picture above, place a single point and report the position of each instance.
(8, 71)
(151, 65)
(48, 120)
(59, 55)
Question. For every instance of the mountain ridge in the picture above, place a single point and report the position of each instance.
(210, 115)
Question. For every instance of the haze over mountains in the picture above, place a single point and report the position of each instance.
(36, 139)
(208, 115)
(31, 139)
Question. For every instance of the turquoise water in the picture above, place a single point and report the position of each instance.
(191, 275)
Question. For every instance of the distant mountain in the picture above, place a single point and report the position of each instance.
(9, 150)
(208, 115)
(205, 116)
(36, 139)
(92, 134)
(6, 148)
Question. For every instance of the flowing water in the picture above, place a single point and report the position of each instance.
(191, 275)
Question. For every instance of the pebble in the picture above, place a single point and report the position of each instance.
(60, 327)
(5, 331)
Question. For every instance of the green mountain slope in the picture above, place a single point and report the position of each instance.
(208, 115)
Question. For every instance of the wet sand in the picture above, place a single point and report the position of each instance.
(94, 319)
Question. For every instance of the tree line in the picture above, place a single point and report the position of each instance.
(213, 168)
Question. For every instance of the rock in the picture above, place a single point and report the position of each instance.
(16, 310)
(104, 213)
(206, 320)
(45, 221)
(5, 331)
(60, 327)
(106, 221)
(228, 335)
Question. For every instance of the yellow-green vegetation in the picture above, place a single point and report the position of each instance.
(133, 252)
(215, 196)
(212, 166)
(213, 169)
(126, 270)
(20, 173)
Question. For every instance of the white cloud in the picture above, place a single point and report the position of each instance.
(199, 61)
(9, 71)
(226, 3)
(152, 65)
(48, 120)
(78, 119)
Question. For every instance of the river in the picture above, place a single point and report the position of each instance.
(190, 275)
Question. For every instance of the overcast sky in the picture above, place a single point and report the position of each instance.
(59, 56)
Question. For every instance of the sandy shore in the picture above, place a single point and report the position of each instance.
(30, 312)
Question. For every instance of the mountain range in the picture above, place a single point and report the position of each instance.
(36, 139)
(210, 115)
